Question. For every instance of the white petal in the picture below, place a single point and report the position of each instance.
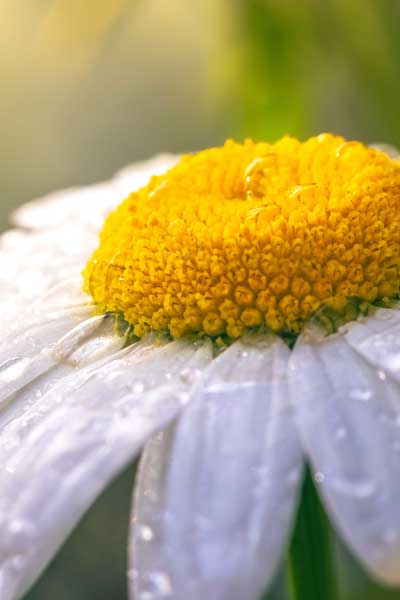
(18, 311)
(25, 356)
(215, 502)
(377, 339)
(348, 419)
(30, 263)
(65, 205)
(67, 356)
(148, 568)
(88, 206)
(56, 328)
(388, 149)
(59, 455)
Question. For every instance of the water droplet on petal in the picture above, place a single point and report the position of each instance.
(190, 376)
(19, 534)
(138, 388)
(146, 533)
(157, 585)
(13, 368)
(362, 394)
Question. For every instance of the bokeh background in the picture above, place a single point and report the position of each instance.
(87, 87)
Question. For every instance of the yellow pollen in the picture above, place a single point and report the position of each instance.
(252, 235)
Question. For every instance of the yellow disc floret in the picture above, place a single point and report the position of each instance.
(252, 235)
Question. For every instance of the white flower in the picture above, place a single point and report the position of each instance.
(225, 437)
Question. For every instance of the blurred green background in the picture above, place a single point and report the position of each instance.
(90, 86)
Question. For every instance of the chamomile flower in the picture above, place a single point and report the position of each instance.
(237, 318)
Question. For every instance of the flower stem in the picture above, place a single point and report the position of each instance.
(310, 559)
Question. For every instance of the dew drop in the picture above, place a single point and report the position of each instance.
(146, 533)
(362, 394)
(319, 477)
(138, 388)
(382, 375)
(157, 585)
(13, 368)
(190, 376)
(19, 533)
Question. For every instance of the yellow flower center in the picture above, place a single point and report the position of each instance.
(252, 235)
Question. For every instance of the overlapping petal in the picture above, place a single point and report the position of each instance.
(348, 417)
(59, 454)
(216, 495)
(377, 339)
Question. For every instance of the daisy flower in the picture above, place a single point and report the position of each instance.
(237, 319)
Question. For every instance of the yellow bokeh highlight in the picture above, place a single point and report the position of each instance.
(252, 235)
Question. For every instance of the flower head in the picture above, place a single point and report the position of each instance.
(231, 252)
(252, 235)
